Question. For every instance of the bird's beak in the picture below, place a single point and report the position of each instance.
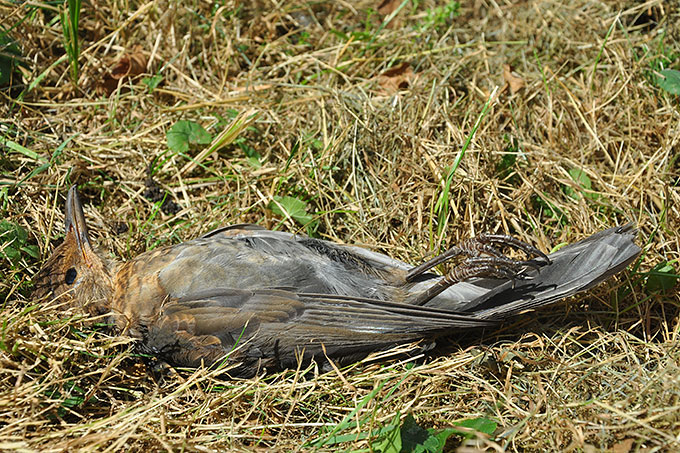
(75, 221)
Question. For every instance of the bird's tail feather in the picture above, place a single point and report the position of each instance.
(574, 268)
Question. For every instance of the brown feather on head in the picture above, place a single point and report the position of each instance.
(74, 270)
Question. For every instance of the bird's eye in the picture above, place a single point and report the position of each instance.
(71, 275)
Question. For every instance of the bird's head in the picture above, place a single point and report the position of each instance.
(74, 272)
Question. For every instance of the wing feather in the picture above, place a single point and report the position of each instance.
(280, 326)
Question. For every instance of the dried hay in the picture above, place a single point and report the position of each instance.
(368, 155)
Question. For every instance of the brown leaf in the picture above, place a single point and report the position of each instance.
(129, 66)
(512, 80)
(387, 7)
(397, 78)
(623, 447)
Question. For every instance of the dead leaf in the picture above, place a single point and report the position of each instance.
(623, 447)
(387, 7)
(397, 78)
(512, 80)
(129, 66)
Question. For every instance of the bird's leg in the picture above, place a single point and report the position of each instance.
(495, 264)
(478, 246)
(484, 266)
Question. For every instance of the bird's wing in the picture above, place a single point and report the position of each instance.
(251, 231)
(278, 326)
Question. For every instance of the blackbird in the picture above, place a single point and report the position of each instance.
(264, 300)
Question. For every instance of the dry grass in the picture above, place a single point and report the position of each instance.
(602, 372)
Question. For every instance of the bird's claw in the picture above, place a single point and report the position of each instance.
(484, 244)
(484, 261)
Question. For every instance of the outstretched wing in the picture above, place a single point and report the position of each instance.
(275, 328)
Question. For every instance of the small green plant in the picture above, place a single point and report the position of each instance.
(291, 207)
(10, 60)
(72, 397)
(152, 82)
(662, 277)
(585, 185)
(366, 34)
(14, 243)
(302, 38)
(441, 208)
(413, 438)
(439, 16)
(548, 208)
(658, 73)
(254, 158)
(505, 167)
(409, 437)
(184, 133)
(669, 80)
(396, 437)
(69, 18)
(333, 436)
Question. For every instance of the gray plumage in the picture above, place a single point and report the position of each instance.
(267, 299)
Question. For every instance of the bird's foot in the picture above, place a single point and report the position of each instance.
(477, 247)
(484, 260)
(484, 244)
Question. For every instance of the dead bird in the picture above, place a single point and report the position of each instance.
(267, 299)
